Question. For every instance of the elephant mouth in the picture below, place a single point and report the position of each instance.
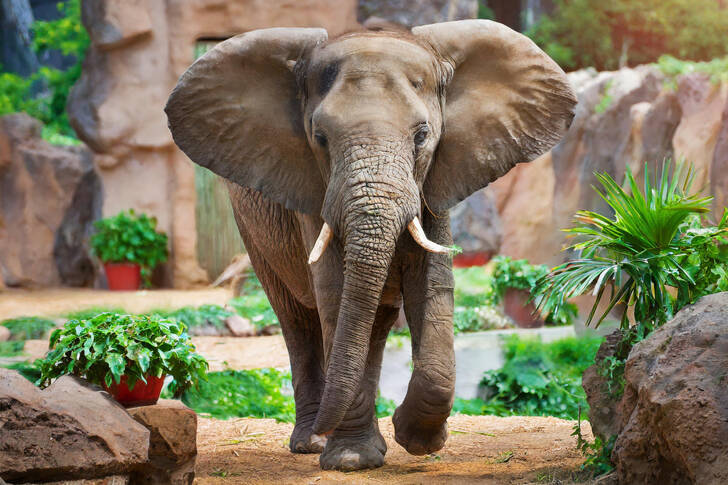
(414, 227)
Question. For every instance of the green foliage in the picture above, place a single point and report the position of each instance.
(583, 33)
(485, 12)
(253, 304)
(17, 94)
(214, 315)
(25, 328)
(606, 100)
(29, 370)
(128, 237)
(384, 407)
(253, 393)
(653, 245)
(110, 345)
(597, 453)
(515, 273)
(540, 379)
(673, 68)
(521, 275)
(11, 348)
(230, 393)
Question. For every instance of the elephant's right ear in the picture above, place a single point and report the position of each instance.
(235, 111)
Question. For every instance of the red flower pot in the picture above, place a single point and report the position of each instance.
(123, 276)
(522, 312)
(140, 395)
(466, 260)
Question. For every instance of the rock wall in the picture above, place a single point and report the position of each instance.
(624, 119)
(49, 197)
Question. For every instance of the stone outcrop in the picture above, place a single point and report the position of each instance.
(409, 13)
(672, 421)
(49, 197)
(476, 226)
(172, 443)
(624, 119)
(68, 431)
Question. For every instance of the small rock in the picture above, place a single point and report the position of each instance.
(172, 443)
(4, 334)
(270, 330)
(69, 431)
(239, 326)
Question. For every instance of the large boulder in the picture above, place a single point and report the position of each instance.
(672, 421)
(476, 226)
(68, 431)
(49, 197)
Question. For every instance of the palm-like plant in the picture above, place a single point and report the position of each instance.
(650, 254)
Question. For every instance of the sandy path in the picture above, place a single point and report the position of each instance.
(481, 449)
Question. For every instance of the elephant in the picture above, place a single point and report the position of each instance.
(342, 157)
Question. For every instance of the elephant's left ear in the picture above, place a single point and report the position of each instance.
(507, 102)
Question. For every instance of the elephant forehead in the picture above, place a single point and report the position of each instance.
(375, 52)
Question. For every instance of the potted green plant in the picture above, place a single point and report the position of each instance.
(127, 355)
(130, 247)
(512, 282)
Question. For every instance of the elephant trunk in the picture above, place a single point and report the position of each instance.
(376, 201)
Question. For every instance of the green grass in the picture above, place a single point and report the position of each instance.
(26, 328)
(11, 348)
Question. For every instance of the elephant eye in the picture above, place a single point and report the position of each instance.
(321, 139)
(421, 135)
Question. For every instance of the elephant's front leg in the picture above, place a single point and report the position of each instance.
(420, 422)
(357, 443)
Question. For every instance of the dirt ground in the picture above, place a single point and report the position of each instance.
(481, 449)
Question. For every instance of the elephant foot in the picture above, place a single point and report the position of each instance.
(303, 440)
(415, 437)
(349, 454)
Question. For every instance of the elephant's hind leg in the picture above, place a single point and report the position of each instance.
(302, 333)
(357, 443)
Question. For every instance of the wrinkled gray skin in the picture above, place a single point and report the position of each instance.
(364, 132)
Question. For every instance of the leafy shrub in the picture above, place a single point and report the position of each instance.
(132, 238)
(26, 328)
(231, 393)
(519, 274)
(540, 379)
(584, 33)
(653, 245)
(110, 345)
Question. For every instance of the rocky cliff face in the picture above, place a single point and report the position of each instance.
(624, 119)
(49, 197)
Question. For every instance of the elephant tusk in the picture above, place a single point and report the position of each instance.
(321, 243)
(418, 234)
